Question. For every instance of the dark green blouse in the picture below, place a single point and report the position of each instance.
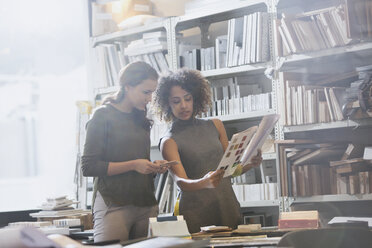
(114, 136)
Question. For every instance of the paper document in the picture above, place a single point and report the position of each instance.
(341, 219)
(23, 237)
(244, 145)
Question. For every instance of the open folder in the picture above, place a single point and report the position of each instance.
(244, 145)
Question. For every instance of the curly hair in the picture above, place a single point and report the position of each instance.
(191, 81)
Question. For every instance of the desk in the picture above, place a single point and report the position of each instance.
(244, 241)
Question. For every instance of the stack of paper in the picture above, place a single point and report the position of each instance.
(58, 203)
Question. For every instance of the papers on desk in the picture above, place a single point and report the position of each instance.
(58, 203)
(345, 220)
(164, 242)
(214, 228)
(23, 237)
(168, 228)
(30, 237)
(59, 213)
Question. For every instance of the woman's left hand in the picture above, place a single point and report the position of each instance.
(257, 160)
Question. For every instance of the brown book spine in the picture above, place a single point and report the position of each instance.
(301, 223)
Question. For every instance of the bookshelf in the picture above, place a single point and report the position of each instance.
(293, 67)
(200, 29)
(205, 29)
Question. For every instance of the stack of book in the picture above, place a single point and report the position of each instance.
(246, 42)
(298, 219)
(59, 207)
(58, 203)
(152, 49)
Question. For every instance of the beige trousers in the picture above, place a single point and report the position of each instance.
(120, 222)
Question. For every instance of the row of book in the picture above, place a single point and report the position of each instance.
(248, 39)
(152, 49)
(324, 28)
(245, 104)
(255, 192)
(199, 59)
(318, 98)
(358, 183)
(267, 172)
(246, 42)
(322, 169)
(313, 104)
(313, 179)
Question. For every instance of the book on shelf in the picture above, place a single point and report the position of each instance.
(255, 192)
(307, 100)
(355, 183)
(246, 42)
(324, 28)
(319, 155)
(367, 155)
(221, 49)
(244, 145)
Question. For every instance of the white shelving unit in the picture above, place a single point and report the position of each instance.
(333, 60)
(357, 54)
(264, 203)
(329, 125)
(243, 116)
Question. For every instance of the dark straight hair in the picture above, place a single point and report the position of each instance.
(132, 75)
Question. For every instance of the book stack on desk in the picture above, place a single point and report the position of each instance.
(58, 203)
(299, 219)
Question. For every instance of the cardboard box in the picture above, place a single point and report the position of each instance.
(124, 9)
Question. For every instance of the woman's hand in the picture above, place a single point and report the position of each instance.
(213, 178)
(145, 166)
(257, 160)
(161, 169)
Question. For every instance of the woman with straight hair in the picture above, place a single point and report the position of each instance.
(117, 155)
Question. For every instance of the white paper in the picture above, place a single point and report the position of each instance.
(25, 237)
(341, 219)
(367, 153)
(244, 145)
(264, 129)
(235, 149)
(176, 228)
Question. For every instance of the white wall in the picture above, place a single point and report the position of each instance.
(44, 41)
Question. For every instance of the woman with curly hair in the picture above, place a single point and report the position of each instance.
(206, 197)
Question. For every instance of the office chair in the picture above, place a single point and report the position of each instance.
(335, 237)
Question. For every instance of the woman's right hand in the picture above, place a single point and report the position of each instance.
(213, 178)
(145, 166)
